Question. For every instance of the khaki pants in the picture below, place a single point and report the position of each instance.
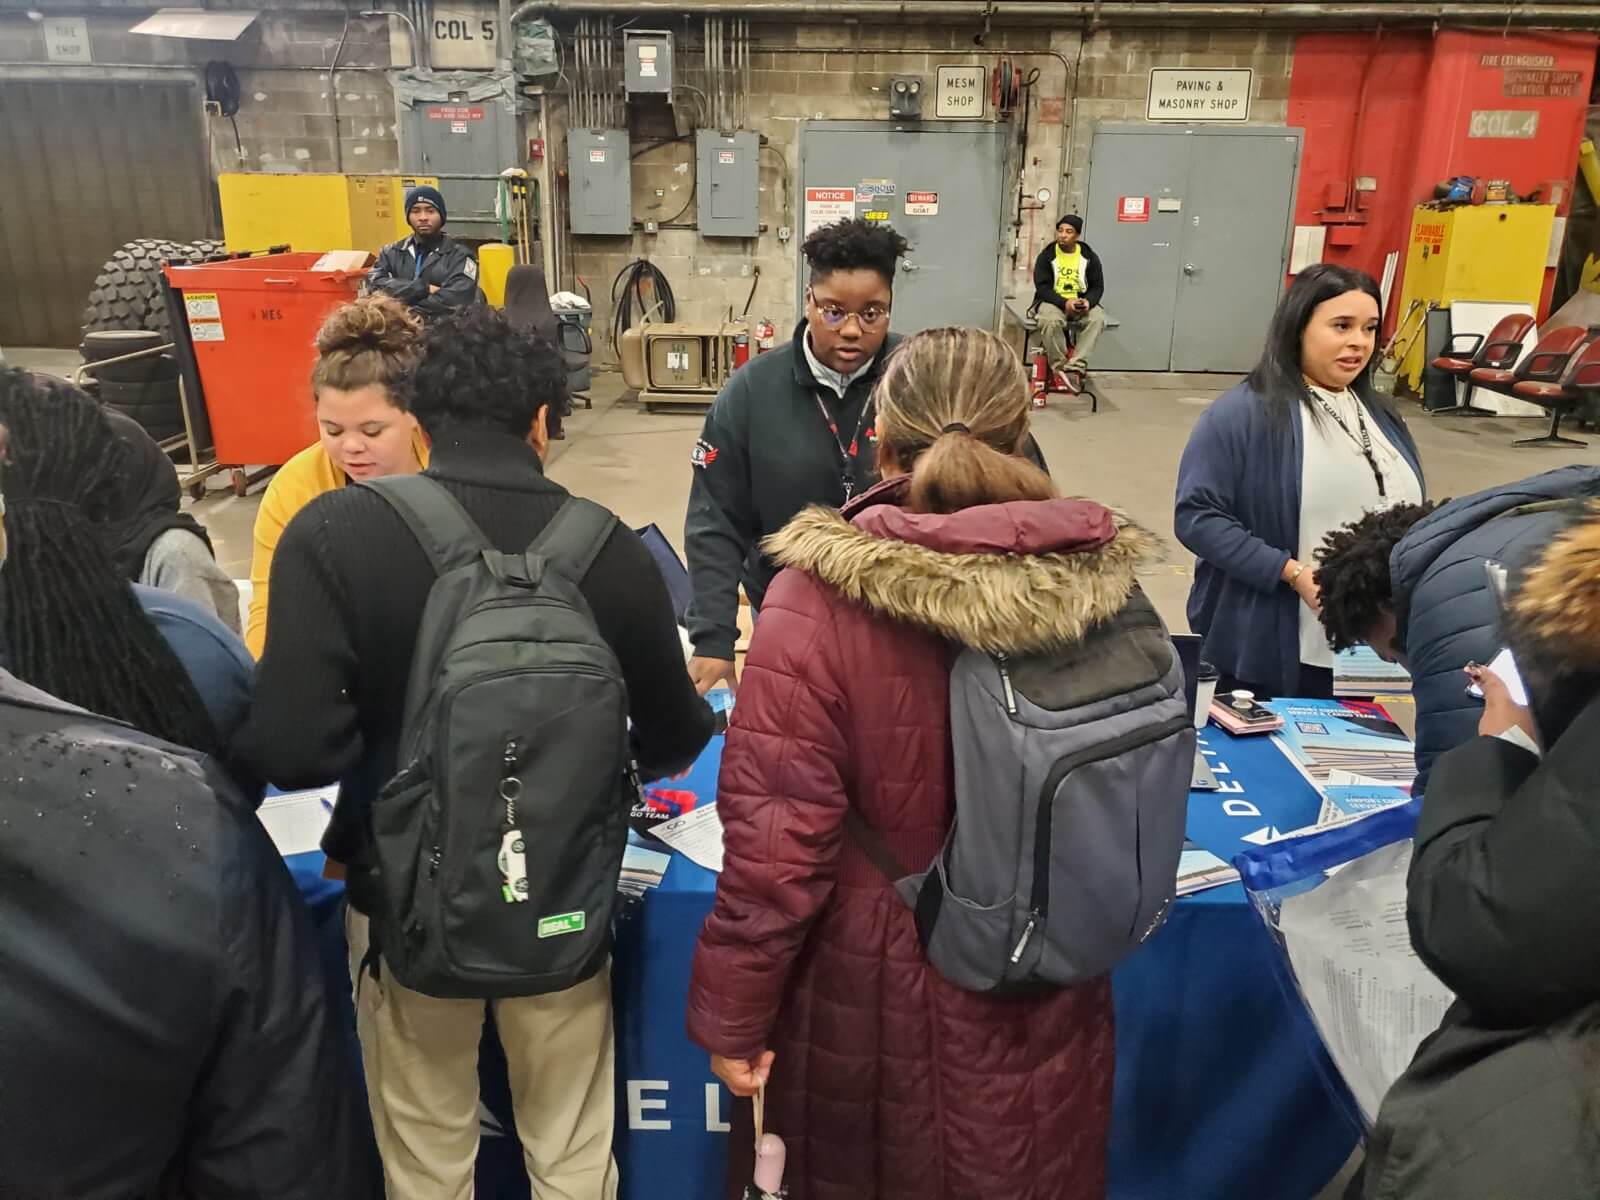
(421, 1060)
(1053, 334)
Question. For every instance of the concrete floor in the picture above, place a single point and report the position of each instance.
(637, 463)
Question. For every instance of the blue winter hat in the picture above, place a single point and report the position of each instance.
(426, 195)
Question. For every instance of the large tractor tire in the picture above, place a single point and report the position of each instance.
(127, 292)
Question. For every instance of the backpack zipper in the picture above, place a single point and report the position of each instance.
(1003, 662)
(1039, 901)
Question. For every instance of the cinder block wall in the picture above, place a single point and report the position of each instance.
(814, 71)
(285, 116)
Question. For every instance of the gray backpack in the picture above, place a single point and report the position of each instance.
(1072, 778)
(500, 839)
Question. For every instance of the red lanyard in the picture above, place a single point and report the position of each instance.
(848, 455)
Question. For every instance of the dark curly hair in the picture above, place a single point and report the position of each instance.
(476, 368)
(1353, 572)
(855, 245)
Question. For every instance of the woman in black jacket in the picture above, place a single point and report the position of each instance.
(1504, 907)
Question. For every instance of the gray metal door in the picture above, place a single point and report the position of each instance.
(1193, 226)
(943, 190)
(457, 140)
(1236, 230)
(1141, 258)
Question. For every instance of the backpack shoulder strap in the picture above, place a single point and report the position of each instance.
(448, 536)
(575, 536)
(872, 845)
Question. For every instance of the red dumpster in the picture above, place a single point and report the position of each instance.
(254, 324)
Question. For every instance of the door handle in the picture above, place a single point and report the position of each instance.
(1190, 269)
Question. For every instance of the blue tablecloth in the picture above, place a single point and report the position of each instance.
(1220, 1090)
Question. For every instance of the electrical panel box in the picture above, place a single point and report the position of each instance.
(728, 180)
(600, 184)
(647, 61)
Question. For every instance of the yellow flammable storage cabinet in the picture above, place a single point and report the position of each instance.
(314, 211)
(1490, 252)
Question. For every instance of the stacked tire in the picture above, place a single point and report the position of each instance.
(126, 314)
(145, 389)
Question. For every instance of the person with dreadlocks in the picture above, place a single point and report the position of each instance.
(162, 1010)
(70, 622)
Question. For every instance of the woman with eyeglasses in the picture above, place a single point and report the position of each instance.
(792, 428)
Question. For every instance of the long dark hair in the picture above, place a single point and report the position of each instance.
(69, 623)
(1277, 377)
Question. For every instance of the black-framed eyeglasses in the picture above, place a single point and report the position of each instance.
(835, 315)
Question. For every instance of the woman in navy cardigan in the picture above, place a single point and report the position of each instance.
(1300, 448)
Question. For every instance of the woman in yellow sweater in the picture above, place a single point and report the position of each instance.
(364, 351)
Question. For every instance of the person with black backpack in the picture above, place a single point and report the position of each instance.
(487, 665)
(953, 794)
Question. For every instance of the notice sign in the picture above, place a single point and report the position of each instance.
(1133, 208)
(828, 206)
(597, 156)
(922, 204)
(959, 93)
(1532, 75)
(66, 39)
(455, 112)
(1195, 94)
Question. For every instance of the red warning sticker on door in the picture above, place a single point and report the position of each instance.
(922, 204)
(1133, 208)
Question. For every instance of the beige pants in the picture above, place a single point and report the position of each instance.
(1053, 334)
(421, 1060)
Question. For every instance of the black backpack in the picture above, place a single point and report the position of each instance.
(499, 841)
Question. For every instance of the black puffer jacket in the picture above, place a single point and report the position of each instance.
(1442, 604)
(165, 1029)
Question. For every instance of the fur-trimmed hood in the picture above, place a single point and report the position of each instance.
(1018, 578)
(1555, 613)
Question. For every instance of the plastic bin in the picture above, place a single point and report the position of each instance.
(254, 323)
(573, 340)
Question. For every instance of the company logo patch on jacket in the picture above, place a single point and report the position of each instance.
(704, 454)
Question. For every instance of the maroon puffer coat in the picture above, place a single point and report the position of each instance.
(888, 1081)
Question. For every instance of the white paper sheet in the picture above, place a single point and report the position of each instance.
(295, 821)
(1371, 998)
(697, 835)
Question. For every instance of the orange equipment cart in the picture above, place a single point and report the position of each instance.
(254, 324)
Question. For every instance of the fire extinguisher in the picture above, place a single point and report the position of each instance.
(1039, 377)
(765, 333)
(741, 349)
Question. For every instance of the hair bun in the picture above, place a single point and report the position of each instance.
(377, 323)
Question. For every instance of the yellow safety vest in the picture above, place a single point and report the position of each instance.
(1069, 273)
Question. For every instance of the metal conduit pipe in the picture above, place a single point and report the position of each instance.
(1554, 14)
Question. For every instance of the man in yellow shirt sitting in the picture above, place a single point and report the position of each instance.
(1068, 282)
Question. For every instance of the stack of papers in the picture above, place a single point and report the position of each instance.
(1200, 869)
(642, 868)
(1360, 672)
(1323, 736)
(296, 821)
(697, 835)
(1347, 796)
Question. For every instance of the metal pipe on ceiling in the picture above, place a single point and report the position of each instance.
(1567, 14)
